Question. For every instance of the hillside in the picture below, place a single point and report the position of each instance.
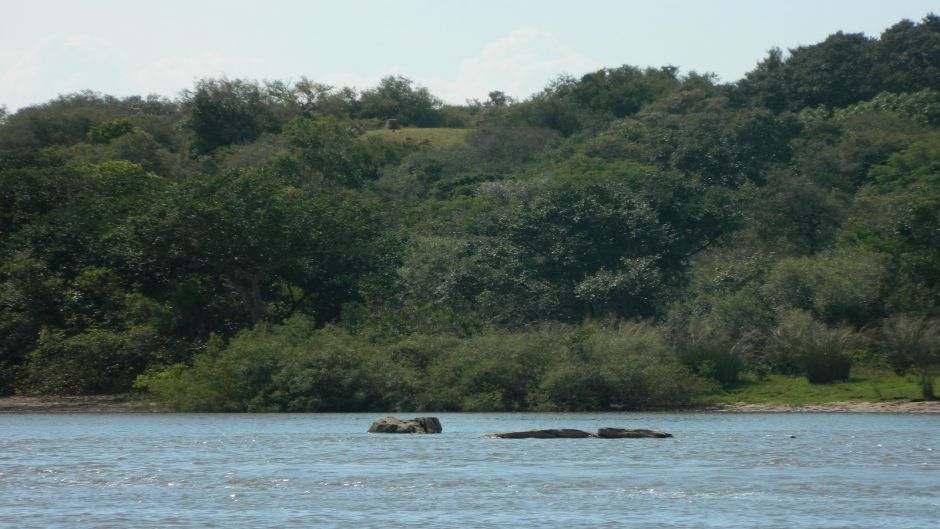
(630, 239)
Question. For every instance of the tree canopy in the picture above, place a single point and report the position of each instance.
(630, 237)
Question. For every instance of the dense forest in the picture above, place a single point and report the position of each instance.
(631, 239)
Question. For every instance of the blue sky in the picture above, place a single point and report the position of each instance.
(458, 49)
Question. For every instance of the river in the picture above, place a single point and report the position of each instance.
(312, 470)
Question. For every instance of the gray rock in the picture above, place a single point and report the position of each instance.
(416, 425)
(623, 433)
(562, 433)
(567, 433)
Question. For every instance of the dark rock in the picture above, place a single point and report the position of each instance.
(416, 425)
(562, 433)
(623, 433)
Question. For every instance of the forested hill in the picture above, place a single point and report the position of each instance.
(629, 239)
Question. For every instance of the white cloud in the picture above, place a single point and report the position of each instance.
(68, 63)
(169, 75)
(360, 81)
(18, 78)
(519, 64)
(55, 65)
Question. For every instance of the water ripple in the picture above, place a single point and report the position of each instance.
(729, 471)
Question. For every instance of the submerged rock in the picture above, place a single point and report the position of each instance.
(567, 433)
(561, 433)
(416, 425)
(623, 433)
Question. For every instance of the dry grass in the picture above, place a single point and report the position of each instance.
(436, 137)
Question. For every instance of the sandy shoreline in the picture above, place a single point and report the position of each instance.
(135, 404)
(79, 404)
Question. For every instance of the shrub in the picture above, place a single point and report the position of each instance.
(94, 361)
(628, 367)
(495, 371)
(289, 367)
(709, 349)
(339, 372)
(912, 343)
(800, 343)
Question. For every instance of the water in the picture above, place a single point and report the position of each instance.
(284, 471)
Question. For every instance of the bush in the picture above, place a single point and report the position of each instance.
(709, 349)
(628, 367)
(338, 372)
(289, 367)
(292, 367)
(496, 371)
(912, 343)
(801, 344)
(223, 377)
(94, 361)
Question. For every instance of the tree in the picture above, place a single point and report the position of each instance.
(899, 217)
(908, 56)
(625, 90)
(396, 97)
(279, 248)
(226, 111)
(794, 214)
(328, 149)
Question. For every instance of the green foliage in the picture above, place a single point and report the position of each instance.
(396, 98)
(758, 224)
(627, 367)
(799, 344)
(625, 90)
(109, 130)
(68, 119)
(898, 217)
(293, 367)
(326, 149)
(798, 215)
(490, 372)
(30, 297)
(912, 343)
(226, 111)
(710, 350)
(848, 286)
(848, 68)
(92, 362)
(922, 107)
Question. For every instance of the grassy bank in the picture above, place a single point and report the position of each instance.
(863, 386)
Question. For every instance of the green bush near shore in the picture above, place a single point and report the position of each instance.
(297, 368)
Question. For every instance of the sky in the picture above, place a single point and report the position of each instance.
(459, 50)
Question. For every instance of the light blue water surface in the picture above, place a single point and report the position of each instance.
(312, 470)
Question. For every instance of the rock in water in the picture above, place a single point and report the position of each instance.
(623, 433)
(416, 425)
(561, 433)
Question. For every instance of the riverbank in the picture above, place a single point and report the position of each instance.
(136, 404)
(79, 404)
(827, 407)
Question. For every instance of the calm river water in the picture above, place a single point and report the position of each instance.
(285, 471)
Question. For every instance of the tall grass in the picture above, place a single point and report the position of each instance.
(821, 353)
(912, 343)
(709, 349)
